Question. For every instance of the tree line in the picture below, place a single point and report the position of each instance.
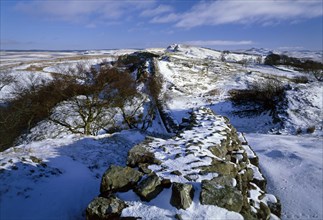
(83, 100)
(309, 66)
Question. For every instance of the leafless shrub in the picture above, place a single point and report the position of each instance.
(243, 62)
(298, 131)
(266, 94)
(213, 92)
(222, 57)
(300, 79)
(310, 129)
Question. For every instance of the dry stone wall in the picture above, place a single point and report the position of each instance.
(208, 160)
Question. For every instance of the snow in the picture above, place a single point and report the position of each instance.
(293, 168)
(291, 52)
(67, 178)
(207, 132)
(310, 96)
(194, 77)
(291, 164)
(185, 154)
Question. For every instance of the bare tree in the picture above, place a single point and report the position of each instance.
(95, 97)
(84, 114)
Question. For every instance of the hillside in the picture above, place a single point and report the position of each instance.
(52, 173)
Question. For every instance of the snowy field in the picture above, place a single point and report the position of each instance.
(293, 168)
(57, 178)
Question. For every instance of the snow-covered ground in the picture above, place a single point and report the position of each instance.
(293, 168)
(297, 53)
(57, 178)
(293, 164)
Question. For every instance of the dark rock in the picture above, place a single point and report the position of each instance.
(186, 120)
(176, 172)
(254, 161)
(35, 159)
(246, 210)
(260, 183)
(182, 195)
(178, 217)
(183, 126)
(275, 208)
(263, 212)
(143, 167)
(104, 208)
(191, 177)
(223, 181)
(166, 183)
(140, 154)
(213, 193)
(118, 178)
(149, 188)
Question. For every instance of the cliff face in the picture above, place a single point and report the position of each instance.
(211, 169)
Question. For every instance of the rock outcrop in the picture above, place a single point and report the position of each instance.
(219, 192)
(150, 187)
(182, 195)
(105, 208)
(118, 178)
(207, 163)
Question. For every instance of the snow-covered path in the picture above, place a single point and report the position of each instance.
(293, 168)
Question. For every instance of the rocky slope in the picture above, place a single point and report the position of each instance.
(207, 168)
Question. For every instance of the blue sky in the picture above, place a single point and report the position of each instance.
(105, 24)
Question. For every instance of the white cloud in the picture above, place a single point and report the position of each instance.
(218, 43)
(244, 12)
(165, 19)
(161, 9)
(86, 10)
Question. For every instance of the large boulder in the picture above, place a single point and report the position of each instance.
(139, 154)
(220, 192)
(263, 211)
(149, 188)
(105, 208)
(182, 195)
(118, 178)
(220, 167)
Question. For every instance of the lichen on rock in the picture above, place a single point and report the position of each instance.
(118, 178)
(182, 195)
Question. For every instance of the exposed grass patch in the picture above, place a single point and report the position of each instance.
(35, 68)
